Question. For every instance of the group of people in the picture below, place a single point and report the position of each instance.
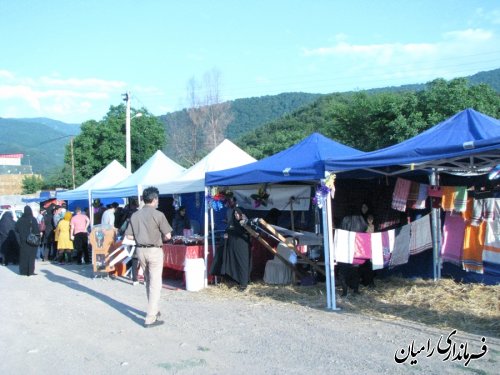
(148, 227)
(59, 231)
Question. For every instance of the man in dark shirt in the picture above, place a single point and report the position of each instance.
(149, 227)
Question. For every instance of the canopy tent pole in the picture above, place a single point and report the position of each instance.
(205, 236)
(331, 268)
(292, 214)
(91, 209)
(212, 231)
(326, 251)
(436, 229)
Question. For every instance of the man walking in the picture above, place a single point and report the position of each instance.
(79, 234)
(149, 227)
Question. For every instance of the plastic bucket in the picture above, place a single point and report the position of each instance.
(194, 270)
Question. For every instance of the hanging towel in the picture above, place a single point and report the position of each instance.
(413, 194)
(448, 198)
(401, 251)
(489, 209)
(363, 249)
(476, 214)
(453, 238)
(491, 252)
(400, 194)
(344, 246)
(388, 238)
(460, 202)
(377, 251)
(473, 242)
(420, 235)
(422, 197)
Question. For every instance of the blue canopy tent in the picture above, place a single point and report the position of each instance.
(305, 161)
(468, 143)
(465, 144)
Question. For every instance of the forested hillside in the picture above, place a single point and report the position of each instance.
(41, 140)
(369, 121)
(265, 125)
(247, 114)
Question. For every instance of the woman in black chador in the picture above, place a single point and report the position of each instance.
(27, 253)
(234, 259)
(9, 248)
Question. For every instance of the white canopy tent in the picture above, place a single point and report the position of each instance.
(114, 172)
(225, 155)
(156, 170)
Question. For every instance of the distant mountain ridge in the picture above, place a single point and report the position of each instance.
(43, 140)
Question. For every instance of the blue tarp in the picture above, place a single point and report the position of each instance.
(304, 161)
(468, 133)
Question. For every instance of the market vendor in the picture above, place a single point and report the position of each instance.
(181, 221)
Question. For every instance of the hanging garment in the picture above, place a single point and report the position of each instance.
(388, 240)
(491, 251)
(376, 247)
(400, 194)
(421, 197)
(473, 241)
(413, 194)
(448, 198)
(460, 202)
(453, 238)
(420, 235)
(377, 251)
(401, 251)
(344, 246)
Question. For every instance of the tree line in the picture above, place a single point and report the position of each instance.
(370, 121)
(363, 120)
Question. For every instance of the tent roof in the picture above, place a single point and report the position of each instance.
(225, 155)
(114, 172)
(156, 170)
(467, 142)
(305, 161)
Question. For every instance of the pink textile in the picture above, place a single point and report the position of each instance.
(453, 238)
(363, 248)
(400, 194)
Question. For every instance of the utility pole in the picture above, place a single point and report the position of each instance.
(72, 163)
(128, 159)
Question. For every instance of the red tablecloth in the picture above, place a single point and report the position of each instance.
(175, 255)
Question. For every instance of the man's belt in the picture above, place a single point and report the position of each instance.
(146, 246)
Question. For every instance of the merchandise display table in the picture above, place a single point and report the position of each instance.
(175, 255)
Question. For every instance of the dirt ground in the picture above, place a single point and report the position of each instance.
(65, 321)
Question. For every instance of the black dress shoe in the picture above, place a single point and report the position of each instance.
(157, 322)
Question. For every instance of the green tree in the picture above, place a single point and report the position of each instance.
(101, 142)
(32, 184)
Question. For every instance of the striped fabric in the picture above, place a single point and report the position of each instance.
(344, 245)
(473, 241)
(400, 194)
(448, 198)
(420, 235)
(401, 251)
(460, 202)
(453, 238)
(421, 197)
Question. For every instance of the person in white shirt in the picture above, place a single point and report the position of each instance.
(108, 217)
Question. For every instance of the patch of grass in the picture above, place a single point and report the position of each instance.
(446, 304)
